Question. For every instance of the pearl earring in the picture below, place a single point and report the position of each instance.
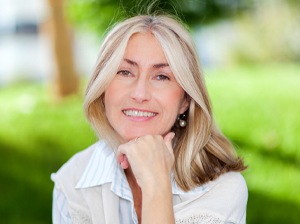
(181, 120)
(182, 123)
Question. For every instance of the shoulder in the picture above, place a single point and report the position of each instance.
(228, 196)
(79, 204)
(230, 185)
(231, 180)
(221, 200)
(70, 173)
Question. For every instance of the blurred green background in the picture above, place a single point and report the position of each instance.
(250, 51)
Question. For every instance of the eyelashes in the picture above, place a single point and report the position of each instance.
(124, 73)
(162, 77)
(128, 74)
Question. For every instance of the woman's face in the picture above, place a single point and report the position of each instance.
(144, 96)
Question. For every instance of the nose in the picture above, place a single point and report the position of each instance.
(141, 90)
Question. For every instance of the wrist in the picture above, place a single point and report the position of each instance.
(157, 189)
(158, 200)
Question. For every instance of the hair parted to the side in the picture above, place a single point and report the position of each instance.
(202, 152)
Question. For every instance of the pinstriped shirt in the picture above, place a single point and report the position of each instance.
(102, 168)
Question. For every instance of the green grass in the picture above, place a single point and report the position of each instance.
(257, 107)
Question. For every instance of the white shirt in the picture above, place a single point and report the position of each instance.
(219, 201)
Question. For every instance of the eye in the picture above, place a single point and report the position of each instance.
(124, 73)
(162, 77)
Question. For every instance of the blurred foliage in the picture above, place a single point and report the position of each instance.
(256, 106)
(260, 31)
(97, 15)
(36, 137)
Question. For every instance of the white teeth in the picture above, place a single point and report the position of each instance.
(136, 113)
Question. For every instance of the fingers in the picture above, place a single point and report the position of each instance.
(127, 149)
(124, 164)
(122, 159)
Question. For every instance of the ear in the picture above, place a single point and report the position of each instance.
(185, 104)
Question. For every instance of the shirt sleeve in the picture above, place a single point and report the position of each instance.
(60, 210)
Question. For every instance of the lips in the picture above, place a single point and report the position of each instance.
(139, 113)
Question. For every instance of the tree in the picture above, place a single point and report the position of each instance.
(66, 82)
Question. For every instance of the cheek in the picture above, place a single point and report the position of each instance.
(173, 102)
(178, 99)
(110, 95)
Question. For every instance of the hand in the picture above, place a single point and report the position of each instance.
(150, 157)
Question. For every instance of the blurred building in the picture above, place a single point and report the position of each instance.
(25, 50)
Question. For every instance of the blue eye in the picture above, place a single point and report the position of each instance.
(124, 73)
(162, 77)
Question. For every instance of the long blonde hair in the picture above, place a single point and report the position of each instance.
(202, 152)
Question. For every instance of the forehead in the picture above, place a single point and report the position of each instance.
(144, 46)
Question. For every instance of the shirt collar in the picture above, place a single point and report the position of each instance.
(101, 167)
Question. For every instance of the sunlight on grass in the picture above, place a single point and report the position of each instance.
(262, 109)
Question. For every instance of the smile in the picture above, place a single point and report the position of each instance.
(137, 113)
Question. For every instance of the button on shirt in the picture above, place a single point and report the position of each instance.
(102, 168)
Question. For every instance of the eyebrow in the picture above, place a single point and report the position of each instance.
(160, 65)
(131, 62)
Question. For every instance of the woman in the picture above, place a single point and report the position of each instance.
(161, 158)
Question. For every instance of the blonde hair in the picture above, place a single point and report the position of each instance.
(202, 152)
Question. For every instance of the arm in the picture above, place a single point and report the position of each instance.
(157, 206)
(151, 159)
